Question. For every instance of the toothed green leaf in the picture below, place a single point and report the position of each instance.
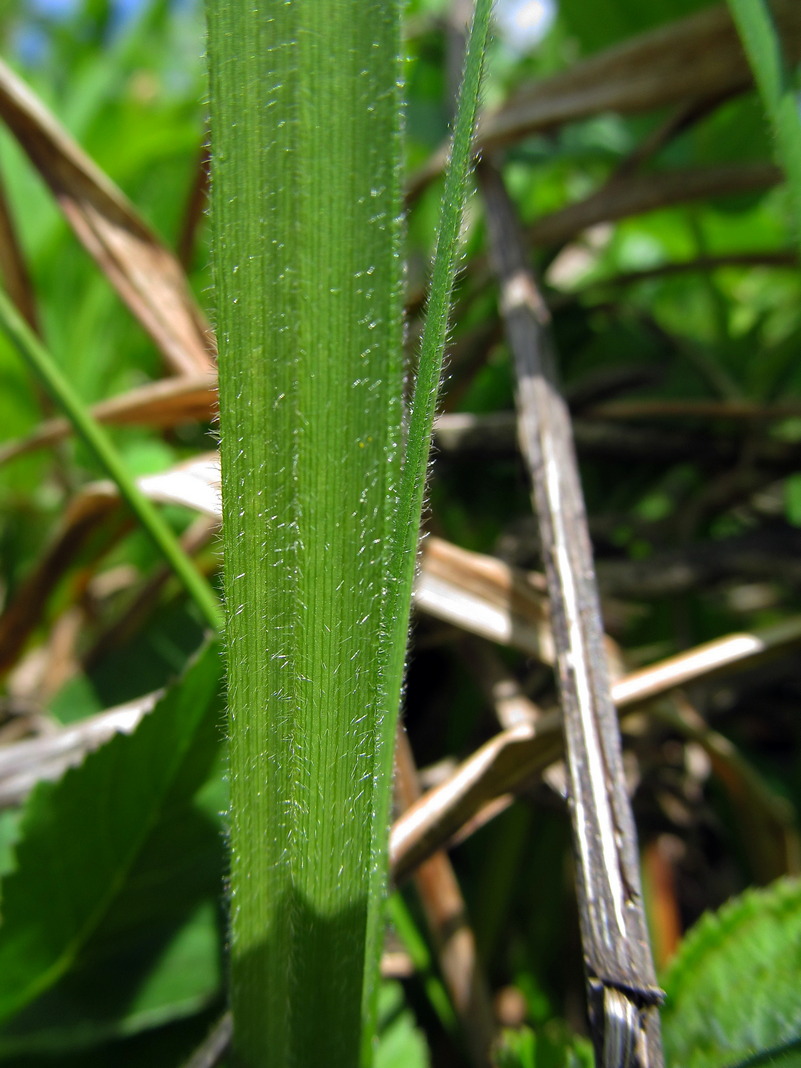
(113, 862)
(732, 992)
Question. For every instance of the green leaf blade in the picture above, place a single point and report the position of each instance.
(81, 837)
(762, 45)
(732, 992)
(306, 211)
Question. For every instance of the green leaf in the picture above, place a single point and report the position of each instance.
(762, 45)
(550, 1047)
(400, 1043)
(115, 863)
(605, 22)
(792, 499)
(162, 971)
(732, 991)
(306, 123)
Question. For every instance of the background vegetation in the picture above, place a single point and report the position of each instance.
(644, 173)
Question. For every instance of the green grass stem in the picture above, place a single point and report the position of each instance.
(306, 210)
(320, 518)
(425, 394)
(36, 356)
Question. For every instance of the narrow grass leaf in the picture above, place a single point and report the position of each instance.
(443, 275)
(97, 440)
(779, 91)
(89, 843)
(405, 534)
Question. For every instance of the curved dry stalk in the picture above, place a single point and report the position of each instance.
(641, 193)
(497, 767)
(13, 268)
(449, 926)
(167, 402)
(504, 763)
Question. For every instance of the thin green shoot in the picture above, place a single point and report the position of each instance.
(39, 360)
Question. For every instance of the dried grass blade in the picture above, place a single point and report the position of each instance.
(484, 596)
(168, 403)
(144, 272)
(13, 268)
(446, 916)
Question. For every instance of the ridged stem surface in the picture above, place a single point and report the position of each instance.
(306, 118)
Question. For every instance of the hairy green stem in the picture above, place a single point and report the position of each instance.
(306, 111)
(425, 395)
(320, 521)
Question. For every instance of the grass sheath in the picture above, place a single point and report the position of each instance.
(320, 510)
(306, 210)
